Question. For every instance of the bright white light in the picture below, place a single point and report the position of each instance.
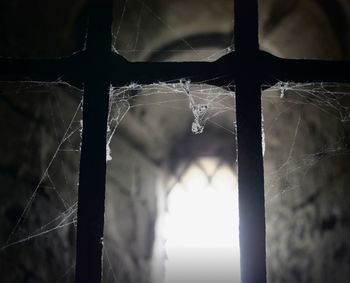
(201, 228)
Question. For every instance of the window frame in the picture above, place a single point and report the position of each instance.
(97, 68)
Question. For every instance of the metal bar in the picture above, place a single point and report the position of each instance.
(91, 202)
(249, 141)
(68, 69)
(276, 69)
(220, 72)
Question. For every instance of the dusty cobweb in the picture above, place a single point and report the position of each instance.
(309, 123)
(57, 119)
(66, 127)
(205, 103)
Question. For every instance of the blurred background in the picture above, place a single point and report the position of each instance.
(171, 198)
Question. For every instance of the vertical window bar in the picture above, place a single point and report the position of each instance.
(249, 140)
(91, 202)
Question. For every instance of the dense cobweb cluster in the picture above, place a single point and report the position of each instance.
(204, 101)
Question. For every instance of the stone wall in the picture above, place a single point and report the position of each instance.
(39, 176)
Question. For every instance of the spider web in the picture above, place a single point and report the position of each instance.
(48, 117)
(322, 104)
(66, 132)
(57, 176)
(306, 159)
(306, 141)
(135, 18)
(298, 105)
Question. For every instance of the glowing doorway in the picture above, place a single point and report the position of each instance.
(201, 228)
